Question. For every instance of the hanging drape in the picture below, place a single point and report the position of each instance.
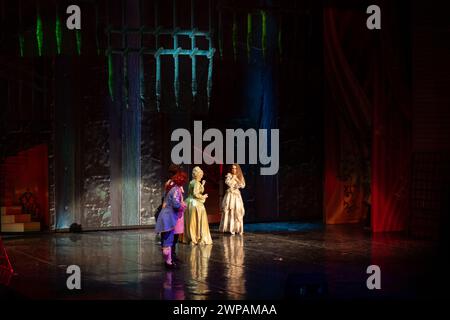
(367, 120)
(392, 123)
(347, 119)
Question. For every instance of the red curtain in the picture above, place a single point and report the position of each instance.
(392, 127)
(347, 118)
(367, 121)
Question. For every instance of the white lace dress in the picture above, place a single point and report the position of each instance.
(232, 207)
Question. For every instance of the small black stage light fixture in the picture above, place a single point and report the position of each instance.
(75, 228)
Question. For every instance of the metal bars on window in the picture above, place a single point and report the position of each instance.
(158, 51)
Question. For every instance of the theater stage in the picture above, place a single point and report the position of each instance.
(326, 261)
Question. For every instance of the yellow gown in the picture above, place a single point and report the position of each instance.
(196, 227)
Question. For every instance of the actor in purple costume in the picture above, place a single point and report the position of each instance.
(168, 218)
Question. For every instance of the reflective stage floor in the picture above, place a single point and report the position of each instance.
(265, 263)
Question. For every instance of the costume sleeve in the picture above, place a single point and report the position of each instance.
(198, 191)
(242, 184)
(177, 199)
(229, 181)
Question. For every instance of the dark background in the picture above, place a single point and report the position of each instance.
(62, 100)
(357, 110)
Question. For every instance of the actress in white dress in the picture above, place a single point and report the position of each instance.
(232, 205)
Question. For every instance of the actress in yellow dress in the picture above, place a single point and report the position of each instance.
(196, 227)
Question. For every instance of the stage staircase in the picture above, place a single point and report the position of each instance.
(18, 222)
(12, 217)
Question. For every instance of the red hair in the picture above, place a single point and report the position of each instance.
(180, 178)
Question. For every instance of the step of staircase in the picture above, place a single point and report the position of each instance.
(16, 218)
(11, 210)
(21, 227)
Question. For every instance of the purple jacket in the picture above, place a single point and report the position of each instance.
(168, 216)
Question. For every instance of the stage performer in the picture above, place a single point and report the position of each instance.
(233, 211)
(172, 171)
(169, 216)
(196, 227)
(179, 227)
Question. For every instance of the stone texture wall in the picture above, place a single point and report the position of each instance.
(96, 176)
(151, 165)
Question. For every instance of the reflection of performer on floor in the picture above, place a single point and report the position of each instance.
(172, 290)
(234, 257)
(199, 269)
(233, 211)
(196, 227)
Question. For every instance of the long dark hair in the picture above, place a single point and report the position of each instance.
(239, 173)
